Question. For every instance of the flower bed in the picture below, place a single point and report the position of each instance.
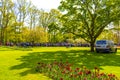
(66, 71)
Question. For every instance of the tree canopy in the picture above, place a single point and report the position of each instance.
(88, 18)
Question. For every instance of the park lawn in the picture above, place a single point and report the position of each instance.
(19, 63)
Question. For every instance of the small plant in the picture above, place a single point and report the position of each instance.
(66, 71)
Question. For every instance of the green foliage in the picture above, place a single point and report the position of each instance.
(87, 19)
(70, 40)
(108, 35)
(55, 35)
(37, 35)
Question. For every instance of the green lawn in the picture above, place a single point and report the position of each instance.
(19, 63)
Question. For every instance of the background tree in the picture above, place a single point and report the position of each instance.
(116, 29)
(36, 35)
(88, 18)
(54, 26)
(108, 34)
(33, 17)
(6, 13)
(21, 10)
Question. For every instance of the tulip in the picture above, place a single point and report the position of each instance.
(88, 72)
(61, 78)
(80, 73)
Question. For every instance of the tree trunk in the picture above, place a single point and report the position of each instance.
(54, 36)
(2, 36)
(92, 46)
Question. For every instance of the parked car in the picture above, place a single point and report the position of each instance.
(105, 46)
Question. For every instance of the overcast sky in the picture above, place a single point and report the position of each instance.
(46, 4)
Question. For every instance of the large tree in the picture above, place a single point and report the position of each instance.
(33, 17)
(6, 15)
(21, 10)
(54, 25)
(88, 18)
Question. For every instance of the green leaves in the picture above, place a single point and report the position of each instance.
(89, 17)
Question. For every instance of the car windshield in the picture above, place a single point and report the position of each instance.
(101, 42)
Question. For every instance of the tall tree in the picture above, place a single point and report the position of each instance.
(21, 10)
(54, 25)
(88, 18)
(6, 13)
(44, 19)
(33, 17)
(49, 21)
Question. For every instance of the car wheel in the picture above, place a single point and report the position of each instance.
(110, 51)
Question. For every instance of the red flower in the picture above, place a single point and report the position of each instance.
(88, 72)
(61, 64)
(113, 75)
(61, 78)
(110, 75)
(77, 69)
(80, 73)
(68, 68)
(102, 74)
(64, 72)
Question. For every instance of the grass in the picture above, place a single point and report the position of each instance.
(19, 63)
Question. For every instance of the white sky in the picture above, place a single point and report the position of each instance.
(46, 4)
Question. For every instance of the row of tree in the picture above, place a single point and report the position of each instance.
(21, 21)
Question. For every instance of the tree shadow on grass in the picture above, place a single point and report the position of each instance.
(75, 57)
